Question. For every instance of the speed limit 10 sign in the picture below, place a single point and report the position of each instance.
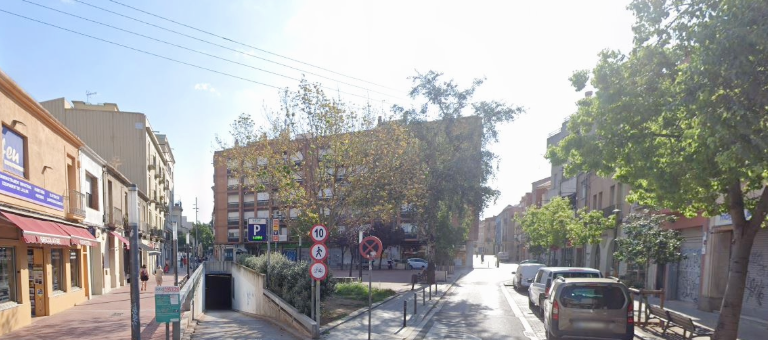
(319, 233)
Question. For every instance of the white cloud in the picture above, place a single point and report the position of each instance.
(207, 88)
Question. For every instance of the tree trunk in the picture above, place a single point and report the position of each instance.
(343, 250)
(730, 311)
(351, 262)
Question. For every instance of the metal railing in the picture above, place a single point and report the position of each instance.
(76, 200)
(116, 217)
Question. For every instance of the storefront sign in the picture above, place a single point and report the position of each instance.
(167, 304)
(24, 190)
(726, 219)
(50, 240)
(13, 152)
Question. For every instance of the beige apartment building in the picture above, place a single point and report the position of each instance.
(45, 249)
(128, 143)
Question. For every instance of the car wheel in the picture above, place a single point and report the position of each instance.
(410, 266)
(629, 336)
(541, 307)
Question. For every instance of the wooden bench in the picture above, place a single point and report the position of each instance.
(655, 312)
(344, 279)
(690, 329)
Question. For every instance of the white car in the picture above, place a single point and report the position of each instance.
(524, 274)
(417, 263)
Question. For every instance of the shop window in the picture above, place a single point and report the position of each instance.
(7, 275)
(57, 264)
(74, 267)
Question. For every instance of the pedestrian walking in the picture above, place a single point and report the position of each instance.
(159, 276)
(144, 276)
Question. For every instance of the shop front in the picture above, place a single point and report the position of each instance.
(50, 278)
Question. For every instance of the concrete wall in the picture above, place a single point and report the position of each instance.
(250, 297)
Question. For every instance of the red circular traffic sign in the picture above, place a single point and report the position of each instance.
(318, 271)
(318, 251)
(371, 244)
(319, 233)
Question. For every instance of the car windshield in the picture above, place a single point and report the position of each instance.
(592, 297)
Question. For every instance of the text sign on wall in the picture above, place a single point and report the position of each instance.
(167, 304)
(24, 190)
(13, 152)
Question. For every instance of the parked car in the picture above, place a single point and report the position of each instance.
(528, 261)
(542, 282)
(502, 256)
(589, 307)
(524, 274)
(417, 263)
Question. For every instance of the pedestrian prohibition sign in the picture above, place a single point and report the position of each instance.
(318, 251)
(370, 244)
(318, 271)
(319, 233)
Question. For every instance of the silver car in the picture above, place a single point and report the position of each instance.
(543, 281)
(589, 308)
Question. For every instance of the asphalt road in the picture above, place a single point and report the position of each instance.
(479, 306)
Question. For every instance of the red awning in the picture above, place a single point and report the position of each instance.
(122, 239)
(79, 236)
(39, 231)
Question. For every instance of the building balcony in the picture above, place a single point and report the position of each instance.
(233, 205)
(233, 187)
(75, 205)
(233, 222)
(248, 204)
(262, 203)
(151, 166)
(115, 218)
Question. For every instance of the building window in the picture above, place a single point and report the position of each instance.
(14, 152)
(612, 199)
(594, 201)
(233, 235)
(7, 275)
(600, 200)
(91, 192)
(74, 267)
(57, 264)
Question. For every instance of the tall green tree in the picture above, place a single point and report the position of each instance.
(646, 242)
(589, 227)
(323, 161)
(682, 119)
(203, 233)
(455, 132)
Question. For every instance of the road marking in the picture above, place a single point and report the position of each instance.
(528, 330)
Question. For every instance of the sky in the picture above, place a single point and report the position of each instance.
(365, 51)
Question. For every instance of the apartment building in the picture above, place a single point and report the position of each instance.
(128, 143)
(45, 249)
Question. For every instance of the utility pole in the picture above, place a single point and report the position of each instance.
(176, 324)
(133, 225)
(194, 227)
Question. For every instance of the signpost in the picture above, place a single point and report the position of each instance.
(167, 304)
(370, 248)
(257, 229)
(318, 270)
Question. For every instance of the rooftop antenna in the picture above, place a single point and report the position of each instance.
(88, 95)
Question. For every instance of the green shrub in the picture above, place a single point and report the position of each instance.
(359, 292)
(289, 280)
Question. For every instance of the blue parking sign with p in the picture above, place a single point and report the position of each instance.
(257, 229)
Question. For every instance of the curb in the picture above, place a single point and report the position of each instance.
(408, 333)
(363, 310)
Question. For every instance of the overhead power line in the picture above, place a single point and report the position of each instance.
(161, 56)
(233, 41)
(204, 41)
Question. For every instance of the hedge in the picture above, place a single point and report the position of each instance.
(289, 280)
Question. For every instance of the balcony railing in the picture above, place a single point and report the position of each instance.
(262, 203)
(231, 222)
(76, 200)
(116, 217)
(608, 211)
(233, 205)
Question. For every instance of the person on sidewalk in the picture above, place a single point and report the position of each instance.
(144, 277)
(159, 276)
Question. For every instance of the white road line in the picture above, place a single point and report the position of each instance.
(519, 314)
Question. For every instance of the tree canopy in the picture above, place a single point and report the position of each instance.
(683, 119)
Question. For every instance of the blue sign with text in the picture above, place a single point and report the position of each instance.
(257, 230)
(24, 190)
(13, 152)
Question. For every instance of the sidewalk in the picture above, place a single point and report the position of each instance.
(105, 316)
(387, 317)
(749, 328)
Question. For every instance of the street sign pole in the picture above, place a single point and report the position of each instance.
(133, 224)
(317, 304)
(370, 248)
(370, 294)
(312, 290)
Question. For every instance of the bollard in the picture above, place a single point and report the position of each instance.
(405, 306)
(423, 297)
(430, 292)
(415, 303)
